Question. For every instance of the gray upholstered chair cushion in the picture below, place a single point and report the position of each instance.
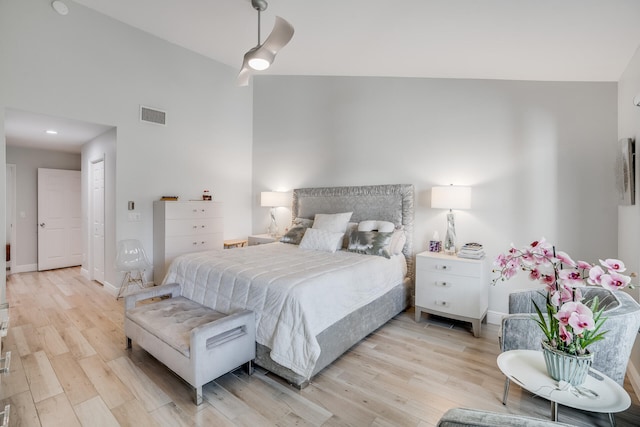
(459, 417)
(519, 330)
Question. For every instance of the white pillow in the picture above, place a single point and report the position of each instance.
(321, 240)
(398, 239)
(380, 226)
(332, 222)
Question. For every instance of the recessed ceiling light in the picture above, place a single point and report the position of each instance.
(51, 132)
(60, 7)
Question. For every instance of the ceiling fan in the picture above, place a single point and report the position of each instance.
(261, 56)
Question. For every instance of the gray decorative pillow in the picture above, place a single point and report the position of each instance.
(370, 243)
(302, 222)
(294, 235)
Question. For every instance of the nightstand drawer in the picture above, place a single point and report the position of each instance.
(448, 266)
(450, 294)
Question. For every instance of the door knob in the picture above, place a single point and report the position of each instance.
(42, 224)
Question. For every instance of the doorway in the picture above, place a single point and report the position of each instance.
(59, 219)
(97, 221)
(11, 217)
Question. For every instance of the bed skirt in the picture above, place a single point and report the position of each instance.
(342, 335)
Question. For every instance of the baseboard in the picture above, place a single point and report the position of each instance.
(26, 268)
(84, 273)
(110, 288)
(495, 317)
(634, 378)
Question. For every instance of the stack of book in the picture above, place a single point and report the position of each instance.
(471, 250)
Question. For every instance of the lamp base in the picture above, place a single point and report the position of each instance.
(449, 245)
(273, 227)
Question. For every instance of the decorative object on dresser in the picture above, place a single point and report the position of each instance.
(452, 287)
(184, 227)
(450, 197)
(273, 200)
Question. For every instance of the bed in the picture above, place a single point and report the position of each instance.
(310, 305)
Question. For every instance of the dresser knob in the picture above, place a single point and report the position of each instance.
(443, 284)
(442, 267)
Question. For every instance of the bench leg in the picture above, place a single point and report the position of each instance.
(128, 343)
(248, 367)
(198, 395)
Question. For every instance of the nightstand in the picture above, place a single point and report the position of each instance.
(452, 287)
(261, 239)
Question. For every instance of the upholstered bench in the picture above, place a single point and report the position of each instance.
(196, 342)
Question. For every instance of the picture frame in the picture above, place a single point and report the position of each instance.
(625, 172)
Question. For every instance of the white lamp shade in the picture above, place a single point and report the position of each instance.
(275, 199)
(451, 197)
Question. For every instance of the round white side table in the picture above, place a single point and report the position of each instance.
(599, 392)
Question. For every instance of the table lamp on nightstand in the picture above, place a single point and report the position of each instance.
(450, 197)
(273, 200)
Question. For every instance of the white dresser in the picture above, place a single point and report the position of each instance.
(183, 227)
(448, 286)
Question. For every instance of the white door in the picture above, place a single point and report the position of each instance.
(97, 220)
(11, 215)
(59, 219)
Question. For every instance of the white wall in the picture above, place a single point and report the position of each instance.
(102, 147)
(539, 155)
(629, 216)
(89, 67)
(27, 161)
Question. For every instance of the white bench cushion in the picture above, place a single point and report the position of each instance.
(173, 319)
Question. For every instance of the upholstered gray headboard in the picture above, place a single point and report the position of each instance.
(392, 203)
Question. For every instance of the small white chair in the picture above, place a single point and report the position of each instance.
(132, 261)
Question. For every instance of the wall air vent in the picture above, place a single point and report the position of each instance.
(153, 115)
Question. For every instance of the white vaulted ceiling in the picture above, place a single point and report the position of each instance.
(568, 40)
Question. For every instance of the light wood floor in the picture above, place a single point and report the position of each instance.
(70, 367)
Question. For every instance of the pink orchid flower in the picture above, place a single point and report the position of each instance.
(613, 265)
(565, 311)
(565, 259)
(595, 275)
(561, 295)
(565, 335)
(534, 274)
(580, 322)
(583, 265)
(614, 281)
(571, 277)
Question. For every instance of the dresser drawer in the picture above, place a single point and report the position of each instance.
(192, 227)
(449, 266)
(178, 210)
(176, 245)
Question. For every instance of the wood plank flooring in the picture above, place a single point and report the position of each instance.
(70, 367)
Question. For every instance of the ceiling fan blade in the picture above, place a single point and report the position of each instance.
(280, 35)
(245, 72)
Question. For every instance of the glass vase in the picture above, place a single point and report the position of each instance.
(566, 367)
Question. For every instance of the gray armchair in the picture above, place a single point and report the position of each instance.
(520, 331)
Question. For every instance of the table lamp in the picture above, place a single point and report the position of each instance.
(274, 199)
(450, 197)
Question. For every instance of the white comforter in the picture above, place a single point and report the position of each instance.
(295, 293)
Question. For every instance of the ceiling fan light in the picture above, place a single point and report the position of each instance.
(259, 64)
